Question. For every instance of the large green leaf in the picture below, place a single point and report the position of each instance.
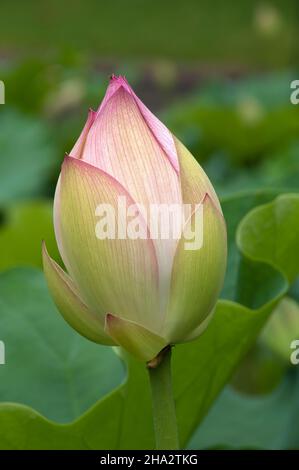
(264, 422)
(122, 419)
(279, 223)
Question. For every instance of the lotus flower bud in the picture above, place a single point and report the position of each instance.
(139, 229)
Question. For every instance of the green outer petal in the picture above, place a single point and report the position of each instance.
(194, 181)
(201, 328)
(71, 307)
(137, 340)
(197, 277)
(118, 275)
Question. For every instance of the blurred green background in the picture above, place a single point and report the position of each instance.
(218, 74)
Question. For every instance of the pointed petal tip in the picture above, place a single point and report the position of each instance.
(45, 254)
(46, 259)
(91, 115)
(109, 319)
(115, 84)
(208, 200)
(79, 145)
(72, 162)
(119, 79)
(67, 162)
(160, 132)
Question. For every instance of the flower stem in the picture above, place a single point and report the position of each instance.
(165, 425)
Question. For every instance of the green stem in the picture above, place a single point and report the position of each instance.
(165, 425)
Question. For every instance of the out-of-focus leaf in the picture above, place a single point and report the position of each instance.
(28, 83)
(282, 329)
(270, 358)
(244, 120)
(27, 156)
(25, 226)
(269, 90)
(263, 422)
(277, 169)
(213, 33)
(242, 133)
(259, 372)
(280, 168)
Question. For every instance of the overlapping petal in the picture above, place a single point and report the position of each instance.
(197, 276)
(194, 181)
(139, 341)
(121, 143)
(159, 130)
(79, 145)
(132, 146)
(158, 291)
(70, 305)
(118, 275)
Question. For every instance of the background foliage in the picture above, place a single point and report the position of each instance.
(218, 74)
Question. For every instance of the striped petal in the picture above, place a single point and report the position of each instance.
(159, 130)
(118, 275)
(201, 328)
(75, 153)
(194, 181)
(130, 144)
(197, 276)
(71, 306)
(79, 145)
(121, 143)
(139, 341)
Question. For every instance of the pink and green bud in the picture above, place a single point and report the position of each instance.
(143, 272)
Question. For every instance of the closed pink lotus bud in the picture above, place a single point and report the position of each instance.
(135, 279)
